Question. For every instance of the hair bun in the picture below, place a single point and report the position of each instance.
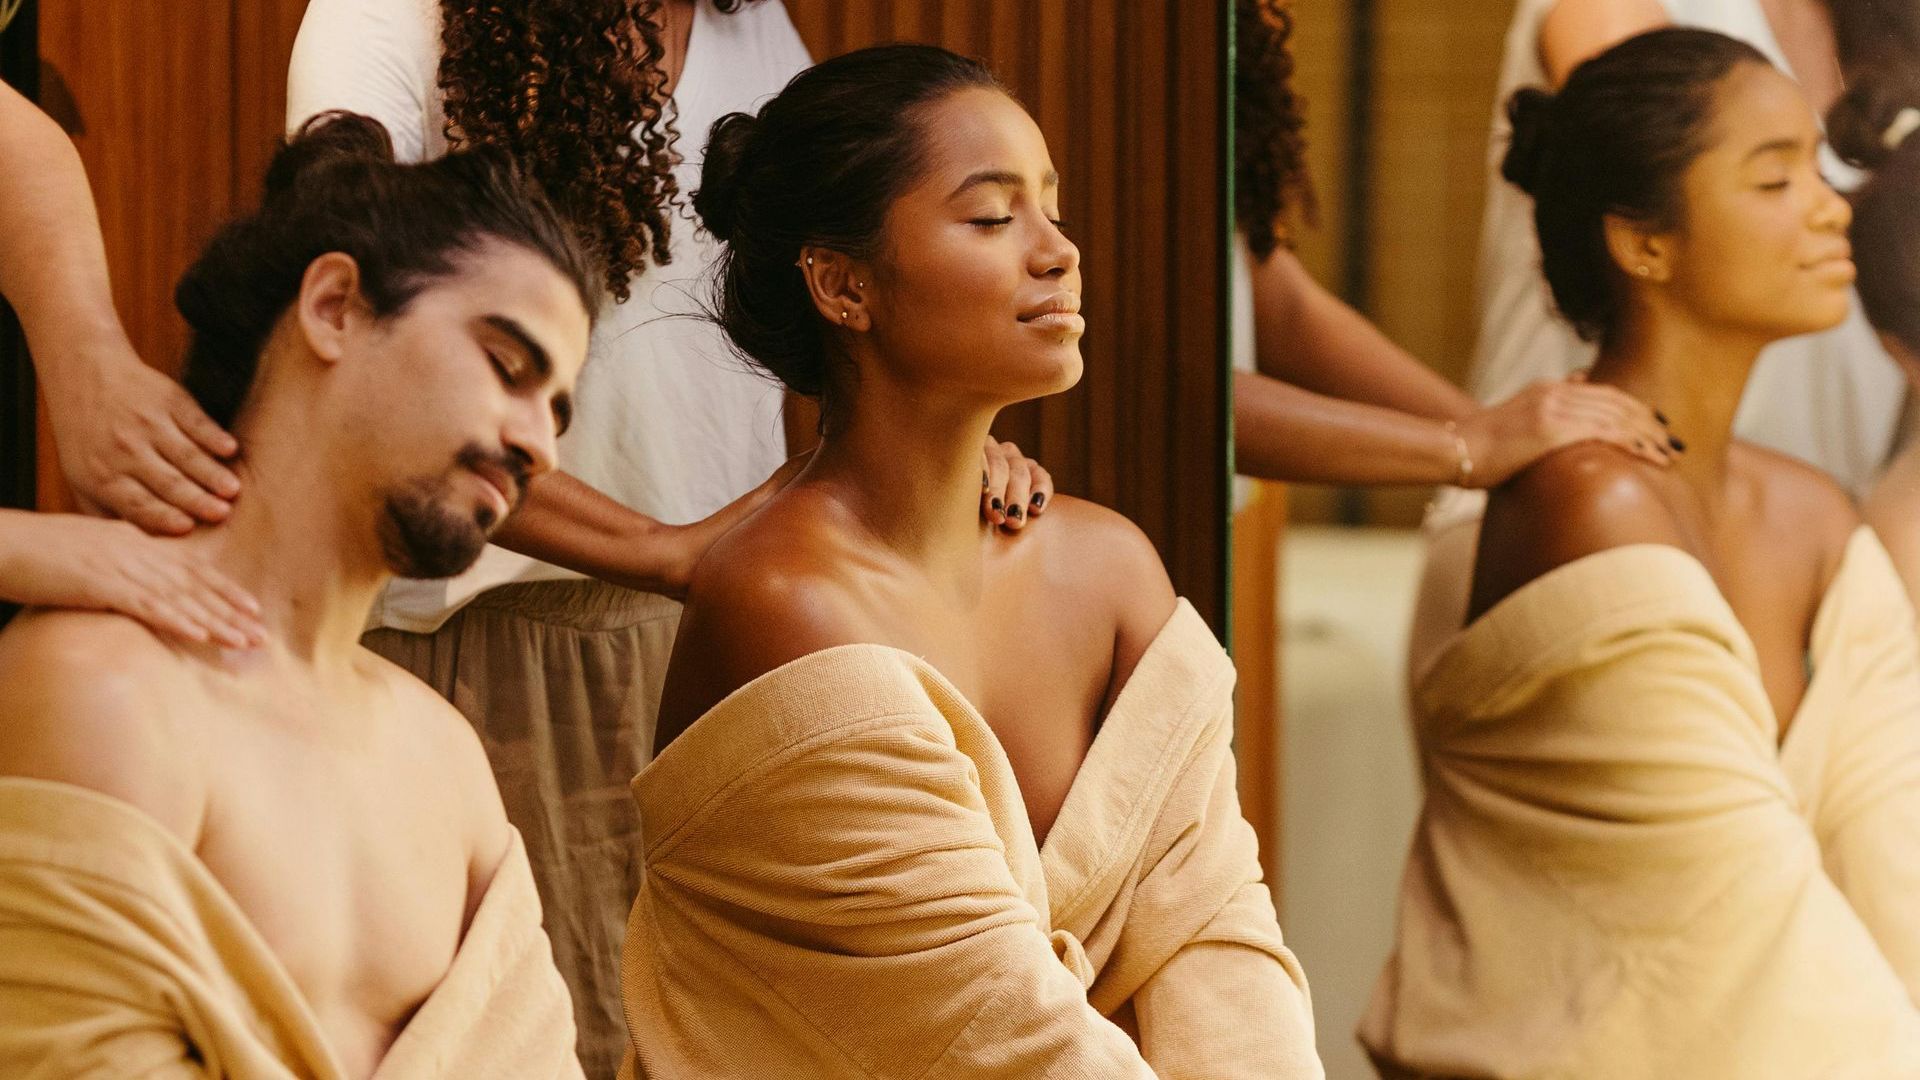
(718, 197)
(326, 140)
(1530, 113)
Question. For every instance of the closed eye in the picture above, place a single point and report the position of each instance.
(507, 376)
(992, 223)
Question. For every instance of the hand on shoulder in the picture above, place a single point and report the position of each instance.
(1575, 502)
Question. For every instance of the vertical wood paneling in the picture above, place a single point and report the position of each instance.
(1128, 94)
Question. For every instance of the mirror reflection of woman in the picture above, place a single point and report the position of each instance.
(1673, 760)
(1830, 399)
(928, 800)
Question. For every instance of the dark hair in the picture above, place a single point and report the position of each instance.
(574, 89)
(1615, 140)
(334, 186)
(819, 166)
(1269, 150)
(1886, 208)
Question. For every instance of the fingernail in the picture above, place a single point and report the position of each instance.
(1040, 500)
(983, 480)
(998, 506)
(1660, 416)
(1676, 444)
(1015, 512)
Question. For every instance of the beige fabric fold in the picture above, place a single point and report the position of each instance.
(122, 956)
(1620, 871)
(841, 880)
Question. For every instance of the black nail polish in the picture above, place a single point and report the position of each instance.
(1040, 500)
(1660, 416)
(998, 505)
(1677, 445)
(1015, 512)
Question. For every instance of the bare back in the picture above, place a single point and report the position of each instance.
(356, 823)
(1773, 545)
(1060, 615)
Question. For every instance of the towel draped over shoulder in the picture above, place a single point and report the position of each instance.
(841, 880)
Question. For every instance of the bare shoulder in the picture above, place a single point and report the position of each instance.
(1100, 561)
(773, 590)
(1575, 30)
(98, 701)
(1096, 551)
(1800, 504)
(1575, 502)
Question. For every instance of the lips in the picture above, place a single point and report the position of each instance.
(1059, 313)
(502, 484)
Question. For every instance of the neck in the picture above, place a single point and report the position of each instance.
(908, 469)
(299, 547)
(1693, 374)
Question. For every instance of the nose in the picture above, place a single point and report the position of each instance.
(1054, 255)
(1832, 212)
(531, 433)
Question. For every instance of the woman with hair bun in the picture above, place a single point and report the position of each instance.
(1829, 399)
(1672, 761)
(885, 837)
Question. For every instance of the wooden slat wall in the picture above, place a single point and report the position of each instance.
(1129, 95)
(174, 105)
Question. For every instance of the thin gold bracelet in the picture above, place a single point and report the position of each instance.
(1463, 458)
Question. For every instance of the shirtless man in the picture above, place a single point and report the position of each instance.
(394, 347)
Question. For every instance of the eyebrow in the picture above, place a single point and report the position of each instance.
(1002, 178)
(1777, 146)
(542, 365)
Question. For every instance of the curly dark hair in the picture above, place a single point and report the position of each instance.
(574, 90)
(1269, 150)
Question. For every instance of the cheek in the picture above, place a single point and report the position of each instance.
(952, 296)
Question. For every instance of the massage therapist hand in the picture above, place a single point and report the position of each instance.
(1014, 491)
(1505, 438)
(71, 561)
(133, 444)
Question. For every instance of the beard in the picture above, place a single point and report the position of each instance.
(426, 533)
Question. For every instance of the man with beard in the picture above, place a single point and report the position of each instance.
(293, 860)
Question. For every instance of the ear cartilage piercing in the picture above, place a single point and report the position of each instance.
(843, 314)
(809, 260)
(1643, 271)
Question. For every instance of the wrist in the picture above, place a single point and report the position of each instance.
(78, 355)
(1463, 463)
(661, 557)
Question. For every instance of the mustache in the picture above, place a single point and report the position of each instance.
(516, 464)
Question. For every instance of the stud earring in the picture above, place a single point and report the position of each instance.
(843, 316)
(859, 284)
(809, 260)
(1643, 271)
